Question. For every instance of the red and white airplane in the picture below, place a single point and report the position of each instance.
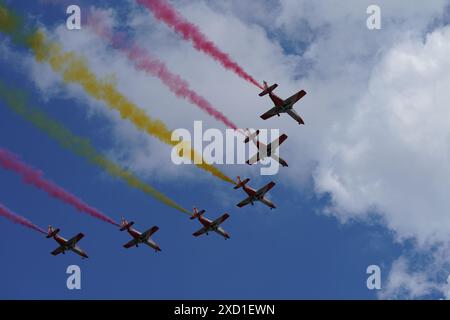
(254, 195)
(64, 244)
(282, 106)
(265, 150)
(138, 237)
(209, 225)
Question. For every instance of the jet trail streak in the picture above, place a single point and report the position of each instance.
(11, 162)
(144, 61)
(16, 101)
(74, 69)
(8, 214)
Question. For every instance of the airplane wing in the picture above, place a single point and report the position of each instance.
(130, 244)
(244, 202)
(200, 232)
(57, 251)
(295, 97)
(294, 115)
(147, 234)
(220, 220)
(152, 245)
(281, 139)
(264, 189)
(270, 113)
(72, 242)
(268, 203)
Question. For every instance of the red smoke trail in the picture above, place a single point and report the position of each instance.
(163, 11)
(175, 83)
(5, 212)
(34, 177)
(143, 60)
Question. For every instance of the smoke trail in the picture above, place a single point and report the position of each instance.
(17, 102)
(144, 61)
(75, 70)
(5, 212)
(10, 161)
(162, 10)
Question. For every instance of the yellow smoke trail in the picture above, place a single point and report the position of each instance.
(17, 102)
(75, 70)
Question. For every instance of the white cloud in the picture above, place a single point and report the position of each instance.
(394, 151)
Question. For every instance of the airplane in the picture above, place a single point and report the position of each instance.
(64, 244)
(209, 225)
(265, 150)
(282, 106)
(254, 195)
(139, 237)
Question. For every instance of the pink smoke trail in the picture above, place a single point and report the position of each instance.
(162, 10)
(11, 162)
(8, 214)
(144, 61)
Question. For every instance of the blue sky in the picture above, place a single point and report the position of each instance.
(293, 252)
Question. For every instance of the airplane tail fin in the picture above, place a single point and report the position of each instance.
(251, 136)
(240, 184)
(125, 225)
(52, 232)
(268, 89)
(197, 214)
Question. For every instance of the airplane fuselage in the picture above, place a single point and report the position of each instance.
(61, 241)
(250, 191)
(287, 105)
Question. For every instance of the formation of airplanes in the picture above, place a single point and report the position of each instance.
(208, 226)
